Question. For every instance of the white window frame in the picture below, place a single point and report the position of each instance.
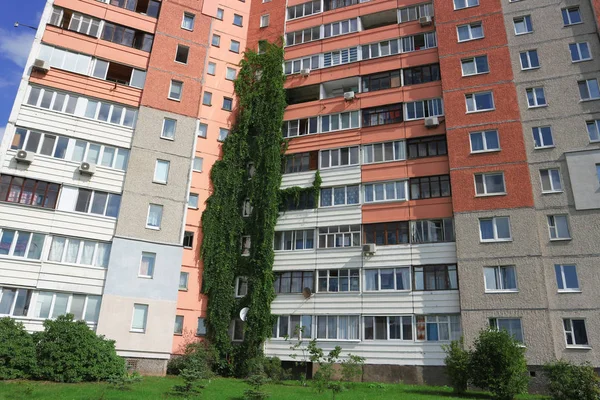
(202, 130)
(587, 84)
(494, 321)
(337, 338)
(152, 265)
(246, 244)
(572, 333)
(398, 152)
(486, 149)
(578, 46)
(264, 20)
(563, 278)
(78, 259)
(177, 51)
(553, 227)
(394, 272)
(539, 133)
(160, 219)
(156, 179)
(467, 4)
(175, 331)
(473, 96)
(470, 30)
(371, 186)
(536, 97)
(162, 132)
(239, 282)
(332, 196)
(594, 131)
(190, 197)
(293, 233)
(474, 61)
(499, 279)
(145, 309)
(200, 160)
(569, 22)
(13, 244)
(190, 16)
(228, 72)
(524, 18)
(552, 189)
(495, 228)
(483, 176)
(527, 53)
(187, 280)
(171, 90)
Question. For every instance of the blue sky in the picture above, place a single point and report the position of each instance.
(15, 44)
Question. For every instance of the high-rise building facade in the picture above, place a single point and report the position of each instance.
(456, 142)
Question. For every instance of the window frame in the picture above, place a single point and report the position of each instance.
(145, 309)
(152, 265)
(536, 98)
(470, 25)
(566, 15)
(189, 16)
(473, 59)
(527, 24)
(157, 227)
(527, 54)
(170, 97)
(538, 130)
(395, 271)
(486, 192)
(563, 280)
(551, 181)
(484, 140)
(571, 332)
(467, 5)
(495, 229)
(473, 97)
(578, 47)
(493, 324)
(499, 279)
(553, 227)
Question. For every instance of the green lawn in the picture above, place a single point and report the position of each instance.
(221, 388)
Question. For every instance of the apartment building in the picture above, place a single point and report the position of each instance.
(104, 168)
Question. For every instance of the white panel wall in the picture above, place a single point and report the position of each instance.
(323, 217)
(340, 176)
(71, 278)
(302, 179)
(416, 254)
(51, 169)
(77, 127)
(19, 272)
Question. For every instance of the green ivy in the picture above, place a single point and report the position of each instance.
(295, 192)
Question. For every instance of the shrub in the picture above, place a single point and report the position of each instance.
(17, 351)
(193, 353)
(70, 351)
(196, 370)
(124, 381)
(352, 368)
(498, 364)
(457, 365)
(256, 382)
(569, 381)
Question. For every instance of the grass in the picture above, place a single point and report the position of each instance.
(223, 389)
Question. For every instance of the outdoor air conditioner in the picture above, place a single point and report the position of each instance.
(348, 96)
(425, 20)
(87, 168)
(305, 71)
(432, 122)
(369, 248)
(24, 157)
(41, 66)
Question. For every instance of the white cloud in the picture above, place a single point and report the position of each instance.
(16, 44)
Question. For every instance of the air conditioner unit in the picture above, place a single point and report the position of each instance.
(24, 157)
(305, 71)
(369, 248)
(41, 66)
(425, 20)
(348, 96)
(86, 168)
(432, 122)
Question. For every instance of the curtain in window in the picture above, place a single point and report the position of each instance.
(102, 255)
(92, 308)
(77, 304)
(57, 248)
(72, 250)
(8, 296)
(42, 306)
(60, 304)
(87, 256)
(353, 328)
(35, 247)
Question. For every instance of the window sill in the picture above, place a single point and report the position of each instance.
(470, 40)
(587, 100)
(187, 29)
(561, 239)
(145, 277)
(524, 33)
(182, 289)
(200, 334)
(481, 111)
(159, 182)
(196, 170)
(538, 106)
(168, 138)
(502, 291)
(177, 334)
(495, 240)
(552, 192)
(529, 69)
(543, 147)
(225, 109)
(387, 291)
(578, 347)
(154, 228)
(137, 331)
(180, 62)
(485, 151)
(187, 247)
(491, 194)
(562, 291)
(475, 74)
(193, 208)
(580, 61)
(174, 99)
(573, 24)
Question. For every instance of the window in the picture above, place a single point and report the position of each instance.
(15, 302)
(223, 133)
(182, 54)
(575, 332)
(175, 90)
(384, 115)
(23, 244)
(197, 164)
(384, 152)
(510, 325)
(385, 234)
(340, 196)
(342, 327)
(246, 244)
(484, 141)
(211, 69)
(230, 74)
(431, 146)
(382, 81)
(303, 36)
(304, 9)
(161, 171)
(432, 230)
(84, 24)
(168, 128)
(300, 162)
(566, 278)
(51, 305)
(294, 240)
(542, 137)
(412, 76)
(339, 236)
(558, 227)
(421, 41)
(293, 326)
(96, 202)
(295, 66)
(178, 325)
(127, 37)
(220, 13)
(183, 280)
(529, 59)
(523, 25)
(334, 122)
(460, 4)
(550, 180)
(201, 328)
(140, 315)
(475, 65)
(29, 192)
(470, 31)
(339, 280)
(415, 12)
(339, 157)
(188, 239)
(193, 201)
(580, 51)
(207, 99)
(237, 20)
(385, 191)
(536, 97)
(494, 229)
(227, 103)
(388, 328)
(264, 20)
(489, 184)
(147, 265)
(424, 108)
(429, 187)
(216, 40)
(306, 126)
(483, 101)
(387, 279)
(589, 90)
(433, 328)
(503, 278)
(188, 21)
(236, 330)
(293, 282)
(202, 130)
(246, 208)
(241, 286)
(234, 46)
(154, 216)
(78, 251)
(593, 128)
(571, 16)
(435, 277)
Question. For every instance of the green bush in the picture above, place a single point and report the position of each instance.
(17, 351)
(457, 365)
(498, 364)
(193, 353)
(69, 351)
(569, 381)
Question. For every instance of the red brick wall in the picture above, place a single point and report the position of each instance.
(272, 33)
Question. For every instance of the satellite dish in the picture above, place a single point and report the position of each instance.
(306, 292)
(244, 313)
